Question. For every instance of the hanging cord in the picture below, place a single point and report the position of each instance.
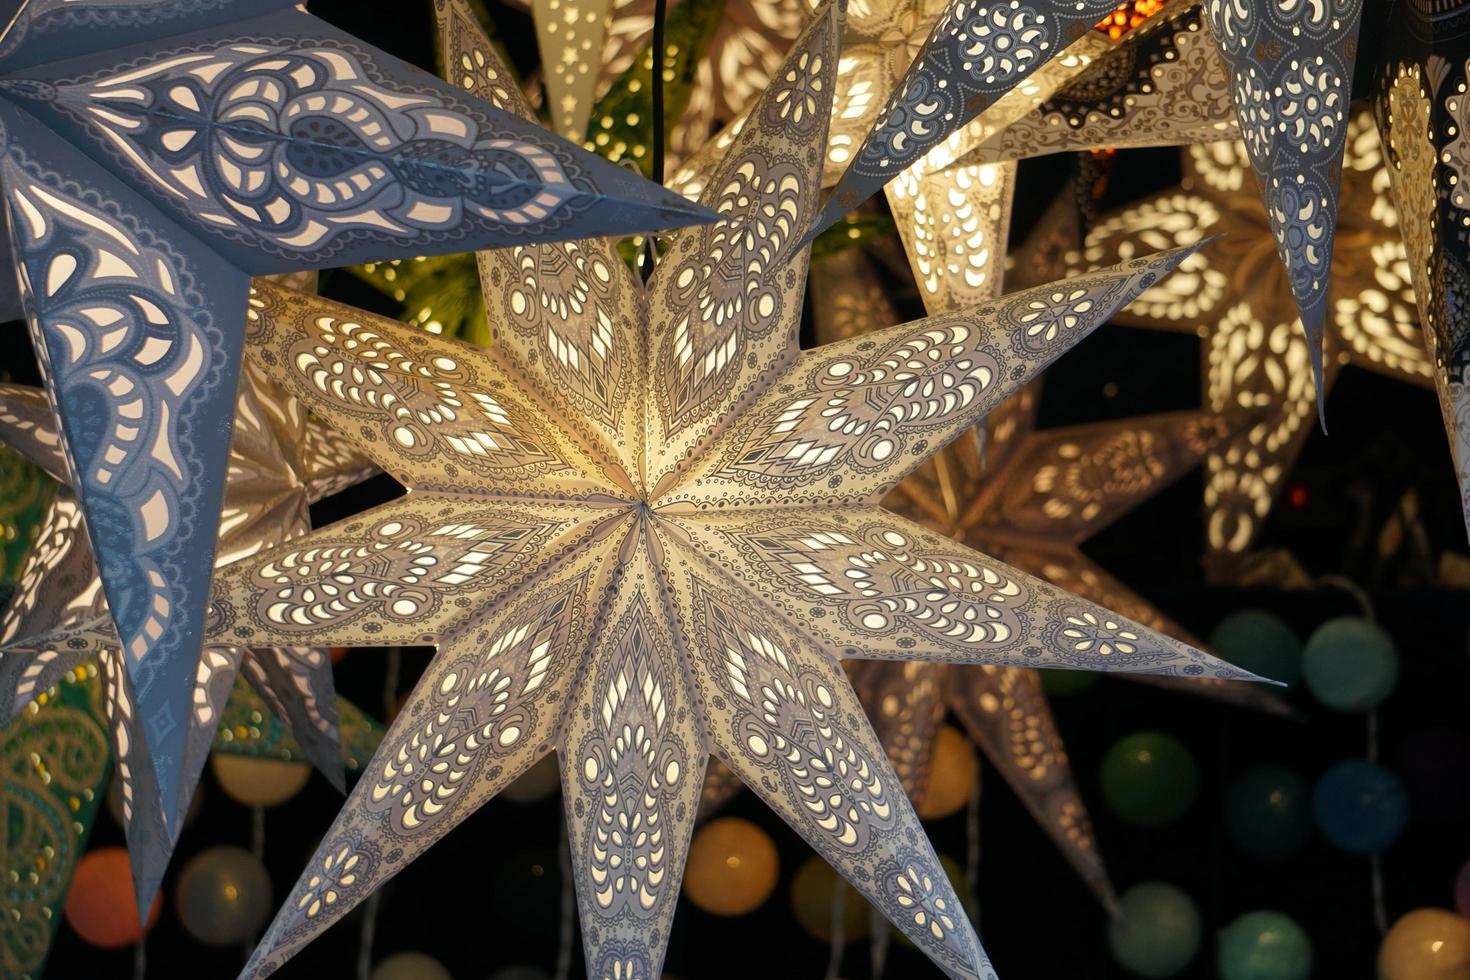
(568, 904)
(391, 671)
(839, 924)
(140, 957)
(1375, 860)
(660, 18)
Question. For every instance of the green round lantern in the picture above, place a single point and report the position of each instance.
(1349, 664)
(1264, 945)
(1260, 642)
(1156, 933)
(1149, 779)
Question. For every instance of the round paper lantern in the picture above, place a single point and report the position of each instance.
(1066, 682)
(1264, 945)
(223, 896)
(1426, 944)
(732, 867)
(1462, 890)
(1349, 664)
(1149, 779)
(811, 900)
(102, 907)
(1266, 812)
(1261, 643)
(410, 965)
(536, 783)
(953, 771)
(258, 782)
(1156, 932)
(1360, 807)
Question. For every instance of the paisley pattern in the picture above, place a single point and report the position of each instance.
(1422, 108)
(394, 573)
(1253, 355)
(632, 763)
(449, 413)
(784, 719)
(1291, 68)
(725, 303)
(561, 312)
(290, 141)
(264, 505)
(488, 707)
(1163, 84)
(135, 358)
(850, 419)
(868, 584)
(977, 51)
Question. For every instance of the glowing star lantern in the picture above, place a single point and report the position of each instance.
(1291, 76)
(279, 462)
(1421, 89)
(645, 525)
(570, 34)
(1030, 497)
(977, 51)
(1234, 294)
(883, 40)
(159, 152)
(1163, 84)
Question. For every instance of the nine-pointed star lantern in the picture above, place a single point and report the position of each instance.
(1253, 353)
(644, 527)
(159, 152)
(280, 461)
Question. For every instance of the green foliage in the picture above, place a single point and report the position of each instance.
(621, 125)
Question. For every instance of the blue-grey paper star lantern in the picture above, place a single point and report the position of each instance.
(156, 154)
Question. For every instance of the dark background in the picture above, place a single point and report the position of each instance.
(489, 895)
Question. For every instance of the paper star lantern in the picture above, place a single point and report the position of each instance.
(1164, 84)
(157, 153)
(1291, 77)
(1421, 106)
(1235, 294)
(976, 53)
(882, 41)
(570, 35)
(643, 525)
(1025, 496)
(279, 462)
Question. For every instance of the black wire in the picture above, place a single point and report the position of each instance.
(660, 15)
